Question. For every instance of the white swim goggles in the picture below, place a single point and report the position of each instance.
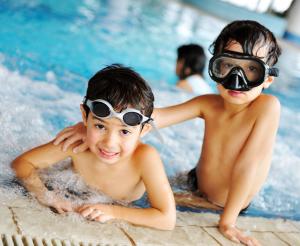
(238, 71)
(130, 117)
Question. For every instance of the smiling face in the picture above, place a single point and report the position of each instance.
(242, 97)
(110, 140)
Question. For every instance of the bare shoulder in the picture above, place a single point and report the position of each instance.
(145, 151)
(209, 103)
(146, 156)
(267, 104)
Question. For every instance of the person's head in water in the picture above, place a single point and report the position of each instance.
(243, 56)
(190, 60)
(116, 109)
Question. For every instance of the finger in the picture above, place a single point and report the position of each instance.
(59, 210)
(62, 132)
(70, 140)
(82, 207)
(67, 208)
(252, 242)
(231, 236)
(255, 242)
(62, 137)
(81, 148)
(103, 218)
(95, 214)
(86, 212)
(244, 239)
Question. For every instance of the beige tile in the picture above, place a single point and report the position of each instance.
(45, 224)
(292, 238)
(197, 219)
(148, 236)
(199, 237)
(189, 235)
(268, 238)
(263, 224)
(265, 238)
(7, 225)
(19, 201)
(219, 237)
(297, 224)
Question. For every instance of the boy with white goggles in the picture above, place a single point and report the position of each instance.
(115, 162)
(239, 71)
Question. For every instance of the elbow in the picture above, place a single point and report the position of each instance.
(21, 168)
(170, 226)
(168, 222)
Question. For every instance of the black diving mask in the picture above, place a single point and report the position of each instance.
(238, 71)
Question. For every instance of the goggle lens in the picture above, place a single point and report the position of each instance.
(100, 109)
(132, 118)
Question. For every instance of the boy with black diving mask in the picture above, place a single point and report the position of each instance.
(240, 123)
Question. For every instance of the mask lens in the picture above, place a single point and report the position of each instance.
(222, 66)
(253, 70)
(132, 118)
(100, 109)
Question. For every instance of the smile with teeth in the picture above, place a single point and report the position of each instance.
(108, 154)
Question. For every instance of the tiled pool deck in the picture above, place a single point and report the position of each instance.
(21, 219)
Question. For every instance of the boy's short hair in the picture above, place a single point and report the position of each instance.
(121, 87)
(193, 57)
(248, 33)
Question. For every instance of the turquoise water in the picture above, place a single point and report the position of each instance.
(48, 50)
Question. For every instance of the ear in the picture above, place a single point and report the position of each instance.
(269, 80)
(147, 128)
(83, 113)
(187, 71)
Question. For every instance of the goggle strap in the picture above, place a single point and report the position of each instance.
(156, 132)
(273, 71)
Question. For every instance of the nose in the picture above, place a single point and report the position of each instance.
(236, 81)
(110, 141)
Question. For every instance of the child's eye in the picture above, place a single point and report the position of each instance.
(228, 65)
(99, 126)
(252, 69)
(125, 132)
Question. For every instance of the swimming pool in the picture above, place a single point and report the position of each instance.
(48, 50)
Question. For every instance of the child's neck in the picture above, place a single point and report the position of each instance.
(233, 109)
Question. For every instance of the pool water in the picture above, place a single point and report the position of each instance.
(48, 50)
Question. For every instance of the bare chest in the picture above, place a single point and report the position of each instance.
(119, 184)
(224, 139)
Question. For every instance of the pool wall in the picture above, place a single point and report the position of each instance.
(216, 7)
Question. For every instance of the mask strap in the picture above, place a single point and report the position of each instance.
(274, 72)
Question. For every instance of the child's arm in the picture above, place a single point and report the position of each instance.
(162, 212)
(26, 166)
(248, 164)
(191, 109)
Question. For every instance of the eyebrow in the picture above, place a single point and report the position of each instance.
(103, 121)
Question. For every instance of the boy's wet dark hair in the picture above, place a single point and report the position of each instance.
(248, 33)
(193, 57)
(121, 87)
